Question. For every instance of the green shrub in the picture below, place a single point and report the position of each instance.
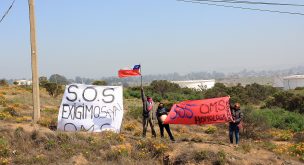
(4, 115)
(283, 119)
(286, 100)
(50, 144)
(2, 100)
(195, 156)
(299, 88)
(130, 126)
(285, 135)
(210, 129)
(250, 94)
(99, 82)
(12, 111)
(134, 93)
(4, 147)
(299, 137)
(154, 147)
(19, 132)
(201, 155)
(268, 145)
(53, 89)
(254, 123)
(135, 112)
(3, 82)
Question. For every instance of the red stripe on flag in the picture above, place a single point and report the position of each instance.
(128, 73)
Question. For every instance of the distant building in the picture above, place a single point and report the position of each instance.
(196, 84)
(291, 82)
(23, 82)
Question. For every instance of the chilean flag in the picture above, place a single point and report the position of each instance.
(129, 72)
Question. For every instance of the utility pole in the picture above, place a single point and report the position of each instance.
(35, 80)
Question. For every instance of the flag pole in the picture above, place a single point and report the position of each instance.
(141, 81)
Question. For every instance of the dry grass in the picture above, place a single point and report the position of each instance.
(23, 143)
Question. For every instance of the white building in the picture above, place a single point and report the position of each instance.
(291, 82)
(24, 82)
(196, 84)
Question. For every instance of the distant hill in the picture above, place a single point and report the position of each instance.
(244, 77)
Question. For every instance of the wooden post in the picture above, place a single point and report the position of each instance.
(35, 80)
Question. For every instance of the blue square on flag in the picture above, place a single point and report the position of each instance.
(136, 67)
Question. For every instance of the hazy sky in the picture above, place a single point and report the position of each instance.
(96, 38)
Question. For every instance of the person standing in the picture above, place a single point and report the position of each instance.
(160, 112)
(147, 108)
(237, 117)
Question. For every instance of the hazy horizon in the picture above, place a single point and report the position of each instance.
(95, 39)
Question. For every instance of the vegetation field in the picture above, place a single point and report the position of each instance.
(273, 130)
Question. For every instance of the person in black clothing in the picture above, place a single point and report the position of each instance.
(147, 108)
(237, 117)
(161, 110)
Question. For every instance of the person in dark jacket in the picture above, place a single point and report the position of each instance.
(237, 117)
(148, 106)
(161, 110)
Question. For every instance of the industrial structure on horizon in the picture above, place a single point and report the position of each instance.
(292, 82)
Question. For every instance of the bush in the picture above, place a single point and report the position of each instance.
(4, 115)
(135, 112)
(284, 135)
(133, 92)
(119, 151)
(3, 82)
(53, 89)
(163, 86)
(286, 100)
(130, 126)
(4, 148)
(250, 94)
(48, 122)
(12, 111)
(282, 119)
(299, 88)
(194, 156)
(299, 137)
(254, 123)
(210, 129)
(2, 100)
(58, 79)
(99, 82)
(154, 147)
(297, 149)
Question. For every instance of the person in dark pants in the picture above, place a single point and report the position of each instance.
(237, 117)
(147, 108)
(161, 110)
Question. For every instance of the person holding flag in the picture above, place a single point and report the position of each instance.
(148, 106)
(147, 101)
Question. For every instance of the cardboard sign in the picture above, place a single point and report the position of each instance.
(91, 108)
(208, 111)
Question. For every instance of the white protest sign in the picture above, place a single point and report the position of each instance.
(91, 108)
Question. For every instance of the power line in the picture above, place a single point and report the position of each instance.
(244, 8)
(254, 3)
(7, 11)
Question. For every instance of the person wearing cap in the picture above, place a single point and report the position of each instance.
(148, 106)
(161, 114)
(237, 117)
